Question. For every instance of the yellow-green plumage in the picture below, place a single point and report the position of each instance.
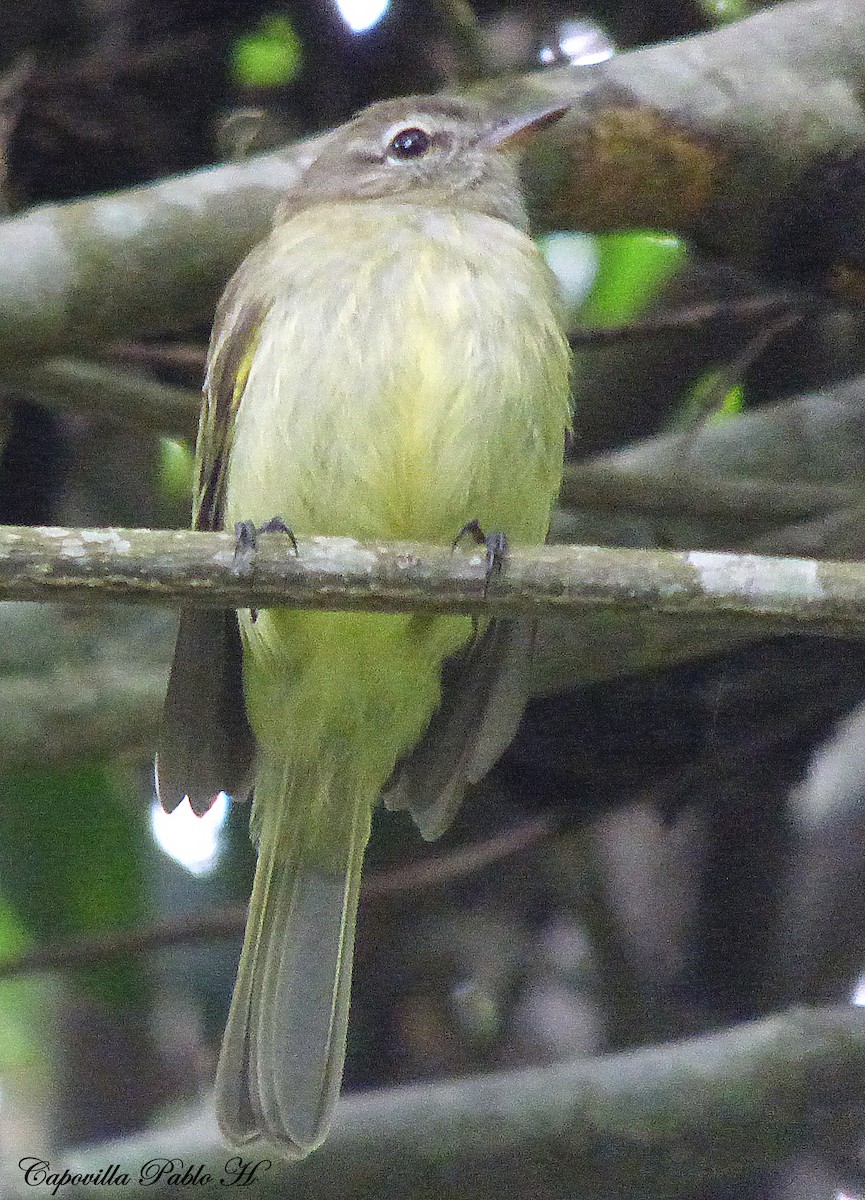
(403, 371)
(443, 401)
(399, 380)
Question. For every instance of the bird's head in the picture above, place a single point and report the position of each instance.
(436, 151)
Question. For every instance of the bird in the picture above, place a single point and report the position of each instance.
(389, 363)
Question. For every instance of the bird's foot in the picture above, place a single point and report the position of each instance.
(495, 545)
(246, 534)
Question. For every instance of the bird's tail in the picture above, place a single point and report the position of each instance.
(282, 1054)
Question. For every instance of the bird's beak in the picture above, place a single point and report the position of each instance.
(512, 133)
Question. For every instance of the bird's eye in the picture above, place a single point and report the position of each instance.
(409, 143)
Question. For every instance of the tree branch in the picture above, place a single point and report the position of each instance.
(663, 1121)
(607, 484)
(722, 137)
(697, 318)
(80, 685)
(176, 566)
(735, 137)
(108, 391)
(466, 39)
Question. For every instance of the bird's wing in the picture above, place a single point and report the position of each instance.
(232, 346)
(206, 745)
(482, 701)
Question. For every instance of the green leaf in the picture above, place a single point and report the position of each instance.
(702, 393)
(22, 1020)
(722, 12)
(269, 56)
(633, 268)
(74, 847)
(176, 460)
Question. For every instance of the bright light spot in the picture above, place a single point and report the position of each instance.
(361, 15)
(846, 1196)
(573, 259)
(579, 43)
(190, 840)
(859, 993)
(581, 51)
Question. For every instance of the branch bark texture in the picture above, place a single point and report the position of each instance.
(656, 1122)
(722, 137)
(176, 566)
(716, 136)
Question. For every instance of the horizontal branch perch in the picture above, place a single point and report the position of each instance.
(662, 1121)
(176, 566)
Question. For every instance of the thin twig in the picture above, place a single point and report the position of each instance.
(602, 483)
(435, 871)
(111, 392)
(733, 373)
(700, 317)
(99, 948)
(184, 356)
(459, 863)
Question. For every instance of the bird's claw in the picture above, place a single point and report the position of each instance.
(246, 534)
(246, 543)
(245, 538)
(495, 546)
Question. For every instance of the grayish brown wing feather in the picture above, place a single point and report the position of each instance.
(206, 745)
(483, 696)
(235, 328)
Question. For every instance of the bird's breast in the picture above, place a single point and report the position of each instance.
(410, 374)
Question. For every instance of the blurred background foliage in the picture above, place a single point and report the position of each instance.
(656, 838)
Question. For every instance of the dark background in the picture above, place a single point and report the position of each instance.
(660, 846)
